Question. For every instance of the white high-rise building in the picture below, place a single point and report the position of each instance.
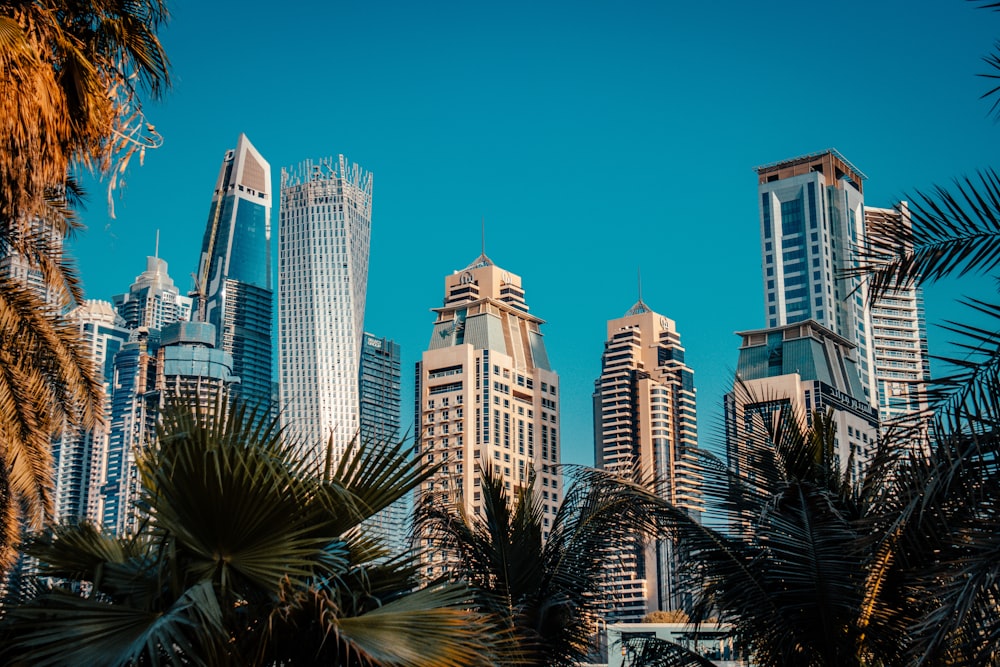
(153, 300)
(323, 242)
(77, 453)
(812, 223)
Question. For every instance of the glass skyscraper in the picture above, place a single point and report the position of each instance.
(323, 242)
(234, 273)
(380, 407)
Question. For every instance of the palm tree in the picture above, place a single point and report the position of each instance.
(71, 73)
(246, 556)
(787, 547)
(544, 592)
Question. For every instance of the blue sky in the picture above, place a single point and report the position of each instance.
(594, 138)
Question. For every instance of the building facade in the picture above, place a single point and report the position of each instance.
(899, 335)
(153, 300)
(645, 422)
(74, 451)
(812, 222)
(233, 281)
(380, 402)
(323, 244)
(796, 370)
(486, 397)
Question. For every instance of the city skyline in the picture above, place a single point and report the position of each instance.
(608, 140)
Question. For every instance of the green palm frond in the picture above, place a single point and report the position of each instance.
(230, 498)
(372, 475)
(61, 628)
(427, 628)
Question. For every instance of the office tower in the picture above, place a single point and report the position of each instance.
(180, 365)
(74, 451)
(486, 396)
(153, 300)
(645, 422)
(798, 369)
(134, 412)
(322, 283)
(812, 222)
(234, 272)
(899, 335)
(379, 379)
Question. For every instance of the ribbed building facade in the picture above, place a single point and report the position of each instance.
(379, 389)
(323, 245)
(645, 426)
(486, 397)
(233, 282)
(899, 335)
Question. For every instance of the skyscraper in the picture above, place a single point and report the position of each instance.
(379, 411)
(796, 370)
(486, 396)
(899, 335)
(181, 364)
(75, 451)
(134, 411)
(323, 242)
(812, 222)
(645, 421)
(153, 300)
(234, 272)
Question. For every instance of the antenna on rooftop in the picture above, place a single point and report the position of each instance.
(483, 235)
(638, 271)
(156, 250)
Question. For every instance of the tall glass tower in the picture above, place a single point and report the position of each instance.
(323, 243)
(234, 272)
(380, 407)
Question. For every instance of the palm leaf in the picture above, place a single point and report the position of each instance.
(61, 628)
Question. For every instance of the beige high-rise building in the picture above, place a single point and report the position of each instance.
(486, 395)
(899, 336)
(645, 421)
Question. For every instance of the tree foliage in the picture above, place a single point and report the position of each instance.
(246, 556)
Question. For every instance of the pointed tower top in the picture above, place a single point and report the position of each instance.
(156, 249)
(640, 307)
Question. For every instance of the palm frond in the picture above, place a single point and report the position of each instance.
(61, 628)
(941, 233)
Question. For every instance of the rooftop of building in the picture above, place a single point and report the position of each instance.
(856, 174)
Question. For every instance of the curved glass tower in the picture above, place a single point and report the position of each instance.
(234, 272)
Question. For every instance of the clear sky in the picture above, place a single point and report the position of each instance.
(595, 138)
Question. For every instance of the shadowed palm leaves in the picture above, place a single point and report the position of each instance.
(246, 557)
(544, 592)
(783, 550)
